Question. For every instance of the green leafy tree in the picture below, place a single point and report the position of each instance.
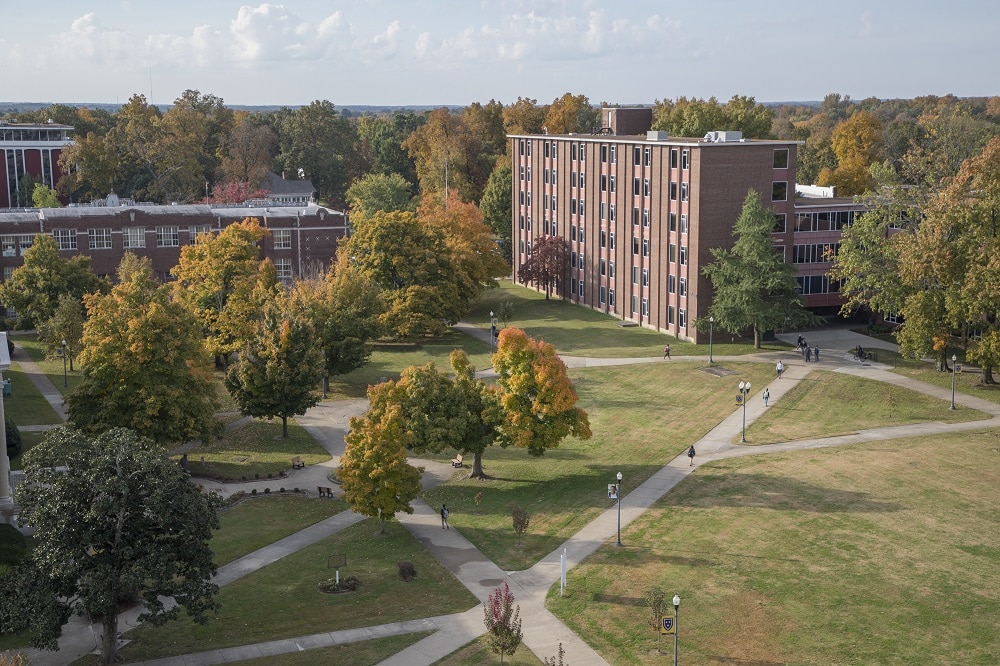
(571, 113)
(535, 397)
(381, 143)
(497, 208)
(44, 196)
(215, 276)
(279, 370)
(247, 150)
(503, 622)
(857, 142)
(121, 520)
(344, 308)
(414, 268)
(66, 325)
(375, 477)
(376, 192)
(547, 264)
(524, 116)
(35, 286)
(754, 287)
(144, 363)
(318, 143)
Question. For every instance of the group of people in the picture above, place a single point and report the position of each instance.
(807, 352)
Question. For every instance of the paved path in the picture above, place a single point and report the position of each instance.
(543, 632)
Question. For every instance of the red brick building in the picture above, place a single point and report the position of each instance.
(32, 150)
(641, 212)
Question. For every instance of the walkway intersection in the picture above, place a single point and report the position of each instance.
(544, 632)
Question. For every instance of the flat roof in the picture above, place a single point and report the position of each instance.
(642, 138)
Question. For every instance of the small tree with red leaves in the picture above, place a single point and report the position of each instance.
(546, 265)
(503, 622)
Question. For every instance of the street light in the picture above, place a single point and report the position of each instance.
(744, 392)
(711, 326)
(65, 377)
(619, 493)
(953, 359)
(493, 332)
(677, 605)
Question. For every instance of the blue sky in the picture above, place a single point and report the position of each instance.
(422, 52)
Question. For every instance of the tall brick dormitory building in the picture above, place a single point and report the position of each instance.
(641, 211)
(303, 235)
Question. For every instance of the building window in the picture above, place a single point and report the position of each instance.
(602, 294)
(545, 226)
(670, 315)
(545, 149)
(683, 287)
(572, 151)
(671, 253)
(614, 154)
(555, 176)
(284, 267)
(635, 245)
(636, 186)
(779, 191)
(65, 238)
(604, 153)
(673, 191)
(572, 259)
(645, 217)
(167, 237)
(581, 260)
(611, 240)
(604, 183)
(195, 229)
(645, 277)
(572, 233)
(671, 284)
(672, 223)
(603, 266)
(685, 162)
(133, 237)
(572, 286)
(545, 176)
(645, 307)
(583, 154)
(99, 239)
(673, 158)
(779, 224)
(529, 223)
(529, 155)
(637, 155)
(572, 206)
(781, 158)
(645, 247)
(635, 216)
(684, 255)
(611, 297)
(635, 304)
(282, 239)
(611, 213)
(581, 288)
(646, 157)
(645, 187)
(684, 223)
(572, 179)
(611, 271)
(583, 233)
(684, 191)
(527, 170)
(604, 211)
(611, 183)
(520, 221)
(604, 238)
(555, 149)
(682, 318)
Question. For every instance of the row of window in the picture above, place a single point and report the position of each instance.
(814, 253)
(135, 237)
(826, 221)
(640, 155)
(817, 284)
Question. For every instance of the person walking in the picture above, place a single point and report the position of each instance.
(691, 456)
(809, 354)
(444, 517)
(666, 352)
(767, 396)
(780, 368)
(816, 353)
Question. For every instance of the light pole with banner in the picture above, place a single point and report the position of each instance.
(677, 605)
(618, 493)
(711, 327)
(65, 378)
(954, 358)
(744, 392)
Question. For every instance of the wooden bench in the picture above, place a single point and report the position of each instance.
(325, 491)
(457, 461)
(297, 463)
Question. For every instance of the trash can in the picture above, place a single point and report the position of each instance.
(6, 388)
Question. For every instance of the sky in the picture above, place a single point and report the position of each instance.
(455, 52)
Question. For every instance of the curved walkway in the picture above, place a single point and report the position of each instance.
(544, 632)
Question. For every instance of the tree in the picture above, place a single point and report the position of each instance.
(754, 287)
(44, 196)
(280, 369)
(497, 208)
(524, 117)
(215, 275)
(35, 286)
(381, 143)
(375, 193)
(66, 325)
(440, 150)
(547, 264)
(744, 115)
(857, 143)
(571, 114)
(318, 142)
(413, 266)
(376, 479)
(247, 151)
(144, 364)
(536, 399)
(91, 168)
(503, 622)
(120, 519)
(344, 308)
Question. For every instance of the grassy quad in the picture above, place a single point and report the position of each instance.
(281, 599)
(873, 553)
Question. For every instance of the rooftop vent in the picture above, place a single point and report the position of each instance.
(723, 137)
(656, 135)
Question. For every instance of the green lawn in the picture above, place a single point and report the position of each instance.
(259, 521)
(876, 553)
(255, 450)
(26, 406)
(51, 367)
(281, 600)
(478, 652)
(365, 653)
(969, 383)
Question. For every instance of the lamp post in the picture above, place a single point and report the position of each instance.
(953, 359)
(493, 332)
(711, 326)
(677, 605)
(744, 392)
(65, 377)
(619, 493)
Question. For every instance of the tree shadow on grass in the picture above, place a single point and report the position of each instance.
(762, 491)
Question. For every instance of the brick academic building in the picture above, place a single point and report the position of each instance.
(642, 210)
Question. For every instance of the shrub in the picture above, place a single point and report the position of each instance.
(282, 489)
(13, 545)
(256, 475)
(407, 571)
(13, 437)
(253, 491)
(520, 518)
(267, 491)
(656, 599)
(330, 585)
(557, 660)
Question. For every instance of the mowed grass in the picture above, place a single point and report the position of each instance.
(365, 653)
(969, 382)
(878, 553)
(51, 366)
(824, 404)
(642, 416)
(478, 652)
(254, 450)
(26, 406)
(281, 599)
(259, 521)
(580, 331)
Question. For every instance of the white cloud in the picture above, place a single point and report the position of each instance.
(867, 24)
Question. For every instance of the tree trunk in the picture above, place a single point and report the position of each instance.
(477, 467)
(381, 525)
(756, 337)
(988, 375)
(109, 642)
(284, 427)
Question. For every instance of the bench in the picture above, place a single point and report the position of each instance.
(325, 491)
(297, 463)
(457, 461)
